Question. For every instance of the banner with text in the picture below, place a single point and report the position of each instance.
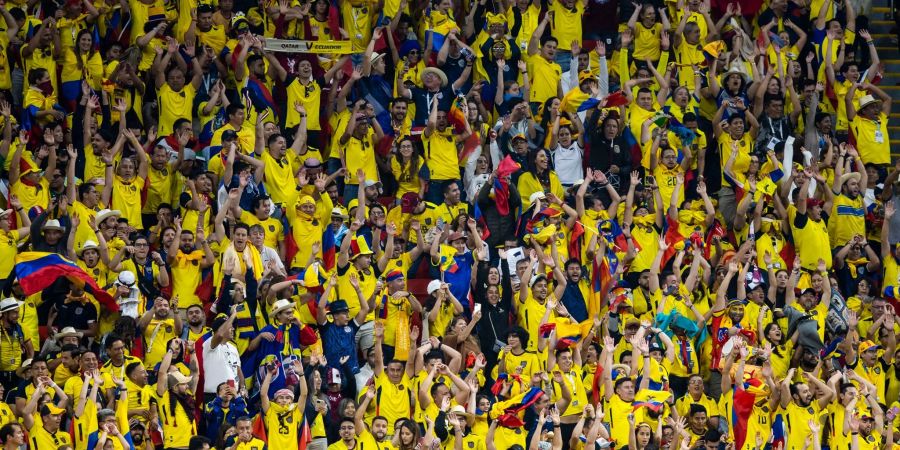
(297, 46)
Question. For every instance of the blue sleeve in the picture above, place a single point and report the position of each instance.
(818, 35)
(92, 440)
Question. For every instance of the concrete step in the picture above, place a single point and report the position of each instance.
(881, 23)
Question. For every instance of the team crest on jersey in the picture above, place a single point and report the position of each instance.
(810, 410)
(723, 334)
(272, 228)
(877, 370)
(471, 444)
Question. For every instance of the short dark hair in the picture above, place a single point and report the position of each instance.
(198, 442)
(83, 188)
(547, 39)
(73, 349)
(36, 74)
(233, 108)
(696, 408)
(110, 340)
(8, 430)
(130, 368)
(241, 226)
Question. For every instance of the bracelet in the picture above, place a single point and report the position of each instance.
(20, 208)
(524, 72)
(870, 42)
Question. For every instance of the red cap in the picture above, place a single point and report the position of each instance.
(810, 202)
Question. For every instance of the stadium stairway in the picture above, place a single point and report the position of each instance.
(881, 26)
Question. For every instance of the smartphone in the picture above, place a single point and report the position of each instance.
(320, 402)
(477, 308)
(231, 383)
(240, 307)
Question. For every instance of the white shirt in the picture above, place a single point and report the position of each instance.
(567, 161)
(362, 378)
(267, 254)
(220, 364)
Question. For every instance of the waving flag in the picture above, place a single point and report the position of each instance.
(439, 26)
(742, 407)
(507, 411)
(505, 169)
(38, 270)
(650, 399)
(448, 262)
(673, 237)
(615, 237)
(456, 117)
(479, 218)
(260, 96)
(328, 249)
(575, 240)
(616, 99)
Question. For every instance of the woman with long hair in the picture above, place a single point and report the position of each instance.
(81, 64)
(459, 334)
(406, 163)
(176, 399)
(319, 402)
(539, 178)
(782, 347)
(406, 435)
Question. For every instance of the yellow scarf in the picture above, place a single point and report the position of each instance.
(645, 221)
(242, 260)
(852, 264)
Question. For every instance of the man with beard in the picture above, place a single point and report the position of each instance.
(393, 386)
(848, 210)
(800, 410)
(578, 291)
(608, 151)
(376, 437)
(196, 324)
(186, 262)
(159, 325)
(347, 432)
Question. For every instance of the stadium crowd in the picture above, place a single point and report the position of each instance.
(423, 225)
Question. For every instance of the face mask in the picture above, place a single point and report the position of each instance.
(46, 88)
